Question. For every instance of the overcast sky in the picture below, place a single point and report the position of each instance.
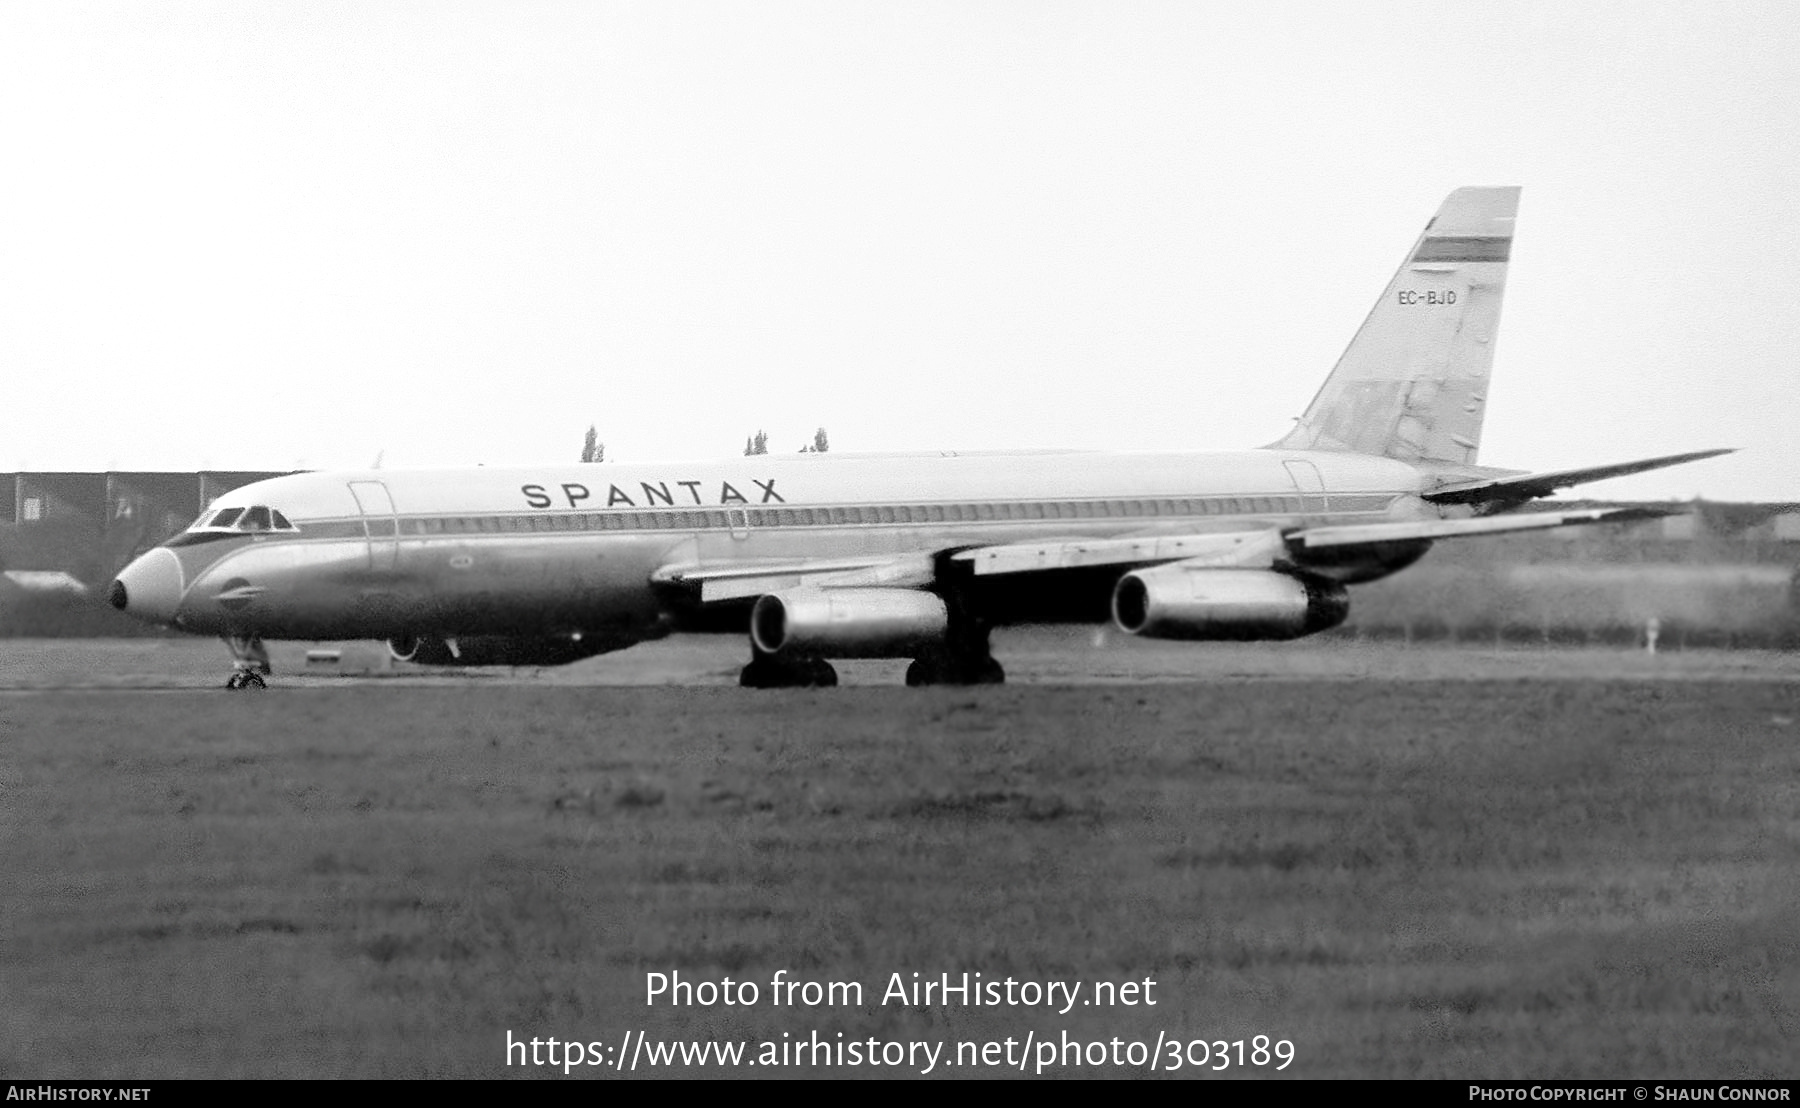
(270, 235)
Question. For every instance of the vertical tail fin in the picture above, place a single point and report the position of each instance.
(1413, 383)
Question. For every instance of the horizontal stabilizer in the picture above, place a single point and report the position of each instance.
(1530, 486)
(1317, 538)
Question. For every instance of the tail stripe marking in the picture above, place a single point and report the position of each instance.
(1471, 248)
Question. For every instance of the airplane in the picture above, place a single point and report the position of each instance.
(829, 556)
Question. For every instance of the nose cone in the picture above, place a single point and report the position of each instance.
(149, 588)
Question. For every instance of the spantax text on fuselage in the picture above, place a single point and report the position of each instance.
(575, 494)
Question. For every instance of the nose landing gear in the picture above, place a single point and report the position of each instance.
(249, 662)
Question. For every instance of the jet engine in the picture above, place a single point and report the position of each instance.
(848, 623)
(1173, 602)
(503, 650)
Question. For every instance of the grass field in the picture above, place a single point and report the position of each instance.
(1527, 877)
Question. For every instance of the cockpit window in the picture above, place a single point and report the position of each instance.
(253, 520)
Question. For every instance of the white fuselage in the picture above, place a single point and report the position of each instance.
(549, 549)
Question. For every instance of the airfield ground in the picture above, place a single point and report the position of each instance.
(1032, 656)
(1406, 862)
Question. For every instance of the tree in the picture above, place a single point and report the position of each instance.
(593, 450)
(756, 444)
(820, 443)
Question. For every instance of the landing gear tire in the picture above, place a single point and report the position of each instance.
(249, 662)
(973, 671)
(765, 672)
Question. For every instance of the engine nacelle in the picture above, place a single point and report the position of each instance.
(503, 650)
(1171, 602)
(848, 623)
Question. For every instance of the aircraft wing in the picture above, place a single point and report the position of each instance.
(1230, 549)
(1271, 545)
(1263, 547)
(742, 580)
(1529, 486)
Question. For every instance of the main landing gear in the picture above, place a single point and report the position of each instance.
(961, 657)
(936, 670)
(766, 671)
(964, 660)
(249, 662)
(944, 666)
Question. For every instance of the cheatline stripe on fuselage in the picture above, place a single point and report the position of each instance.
(849, 515)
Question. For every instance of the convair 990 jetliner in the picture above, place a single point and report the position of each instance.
(903, 556)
